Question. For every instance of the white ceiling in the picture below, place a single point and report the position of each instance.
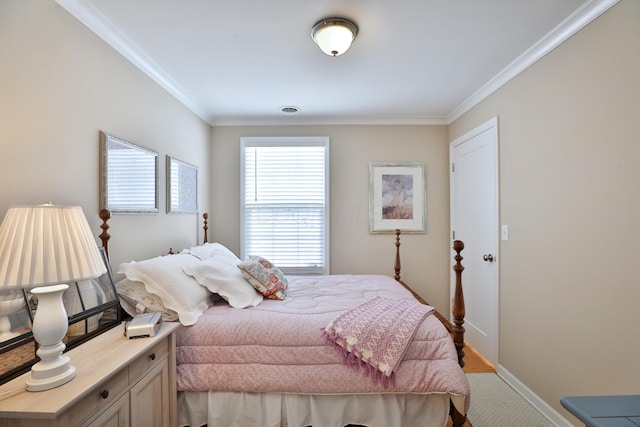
(413, 62)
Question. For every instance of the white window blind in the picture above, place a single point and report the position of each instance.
(285, 196)
(131, 178)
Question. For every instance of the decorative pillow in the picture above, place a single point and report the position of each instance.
(163, 276)
(220, 275)
(135, 299)
(265, 277)
(209, 250)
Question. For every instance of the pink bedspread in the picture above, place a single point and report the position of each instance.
(279, 346)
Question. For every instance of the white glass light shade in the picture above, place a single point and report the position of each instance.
(334, 35)
(48, 245)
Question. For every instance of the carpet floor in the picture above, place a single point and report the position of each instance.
(495, 404)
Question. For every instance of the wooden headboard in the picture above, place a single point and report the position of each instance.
(458, 309)
(105, 216)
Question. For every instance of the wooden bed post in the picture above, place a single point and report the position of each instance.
(105, 215)
(397, 263)
(205, 227)
(458, 310)
(455, 328)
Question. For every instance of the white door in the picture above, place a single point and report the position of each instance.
(475, 221)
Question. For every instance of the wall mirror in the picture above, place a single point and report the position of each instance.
(182, 187)
(92, 307)
(128, 176)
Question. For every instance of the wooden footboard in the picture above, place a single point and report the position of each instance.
(457, 310)
(458, 313)
(456, 329)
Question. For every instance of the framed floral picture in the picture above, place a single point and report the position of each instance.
(397, 197)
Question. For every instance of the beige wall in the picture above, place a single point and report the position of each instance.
(569, 182)
(61, 84)
(569, 151)
(425, 259)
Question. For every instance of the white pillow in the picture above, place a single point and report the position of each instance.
(209, 250)
(220, 274)
(135, 299)
(164, 277)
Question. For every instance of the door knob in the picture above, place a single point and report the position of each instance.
(488, 257)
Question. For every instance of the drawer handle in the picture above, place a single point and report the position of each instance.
(104, 394)
(152, 356)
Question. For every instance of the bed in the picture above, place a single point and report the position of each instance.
(330, 350)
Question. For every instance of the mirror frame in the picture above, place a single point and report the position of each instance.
(105, 139)
(18, 353)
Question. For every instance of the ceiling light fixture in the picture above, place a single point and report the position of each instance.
(334, 35)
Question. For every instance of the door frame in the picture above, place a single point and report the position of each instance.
(489, 125)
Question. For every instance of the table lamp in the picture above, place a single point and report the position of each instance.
(44, 247)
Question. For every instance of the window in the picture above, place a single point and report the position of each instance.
(285, 202)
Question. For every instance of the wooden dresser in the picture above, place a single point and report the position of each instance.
(119, 382)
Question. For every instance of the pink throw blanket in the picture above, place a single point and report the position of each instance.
(377, 333)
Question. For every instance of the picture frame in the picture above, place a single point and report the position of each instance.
(397, 197)
(128, 176)
(182, 187)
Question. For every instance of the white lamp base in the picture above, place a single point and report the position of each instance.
(48, 374)
(49, 328)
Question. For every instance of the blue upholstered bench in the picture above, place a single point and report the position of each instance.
(605, 411)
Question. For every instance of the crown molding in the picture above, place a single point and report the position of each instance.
(567, 28)
(328, 121)
(97, 23)
(101, 26)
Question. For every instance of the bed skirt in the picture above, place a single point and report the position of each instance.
(246, 409)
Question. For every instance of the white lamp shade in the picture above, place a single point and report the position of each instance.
(47, 244)
(334, 36)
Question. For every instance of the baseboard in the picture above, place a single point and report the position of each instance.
(543, 407)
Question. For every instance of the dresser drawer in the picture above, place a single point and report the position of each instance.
(148, 360)
(97, 399)
(115, 375)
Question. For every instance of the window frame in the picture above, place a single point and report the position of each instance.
(323, 141)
